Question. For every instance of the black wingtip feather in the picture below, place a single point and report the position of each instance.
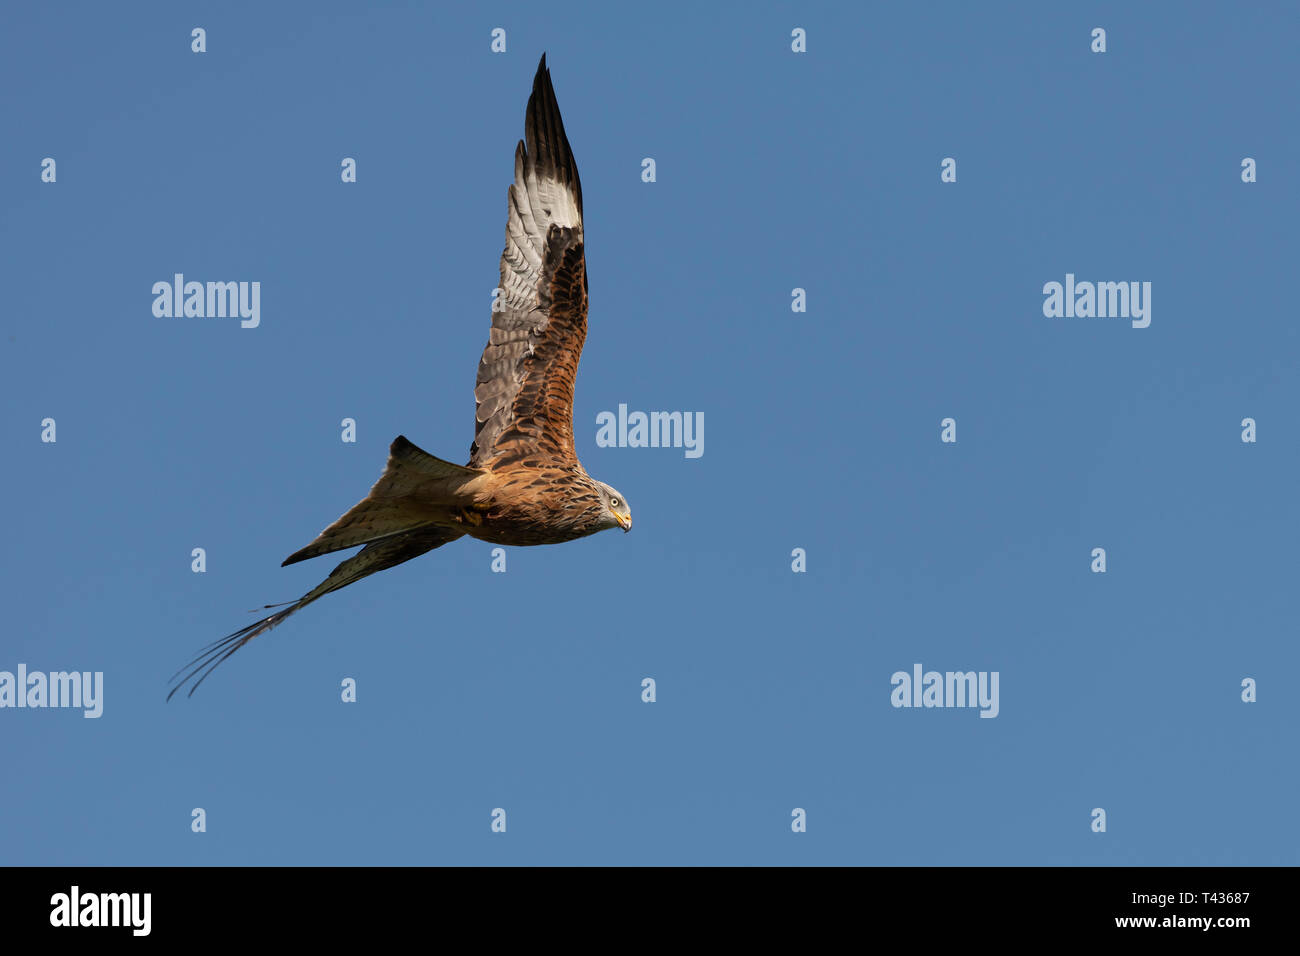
(547, 144)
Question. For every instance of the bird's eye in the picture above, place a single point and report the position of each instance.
(613, 502)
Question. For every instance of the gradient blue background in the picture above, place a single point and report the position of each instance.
(481, 690)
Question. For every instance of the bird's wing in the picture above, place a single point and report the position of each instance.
(373, 557)
(409, 494)
(524, 390)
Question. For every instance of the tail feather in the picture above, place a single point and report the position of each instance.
(405, 497)
(216, 652)
(373, 557)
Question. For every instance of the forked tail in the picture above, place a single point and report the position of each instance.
(216, 652)
(373, 557)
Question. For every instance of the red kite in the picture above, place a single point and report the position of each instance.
(523, 484)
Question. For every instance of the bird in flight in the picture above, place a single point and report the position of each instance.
(523, 484)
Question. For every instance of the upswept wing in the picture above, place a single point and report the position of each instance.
(524, 390)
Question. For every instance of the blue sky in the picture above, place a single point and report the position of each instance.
(775, 171)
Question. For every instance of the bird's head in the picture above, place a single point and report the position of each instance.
(615, 512)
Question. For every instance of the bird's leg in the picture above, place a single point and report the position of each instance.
(473, 514)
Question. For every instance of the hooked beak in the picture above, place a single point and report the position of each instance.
(624, 523)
